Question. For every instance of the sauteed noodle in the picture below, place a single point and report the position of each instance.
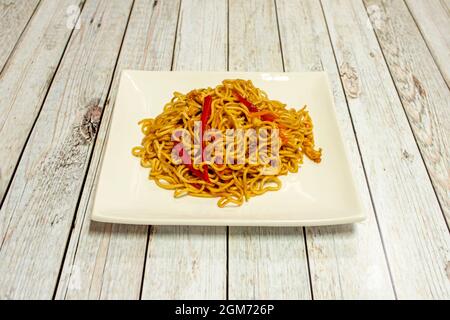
(231, 168)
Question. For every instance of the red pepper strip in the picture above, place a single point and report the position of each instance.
(197, 186)
(196, 172)
(250, 106)
(205, 175)
(185, 158)
(265, 115)
(269, 117)
(206, 114)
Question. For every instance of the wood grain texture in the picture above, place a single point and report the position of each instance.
(413, 228)
(25, 81)
(190, 262)
(346, 262)
(106, 261)
(264, 263)
(43, 220)
(38, 211)
(14, 16)
(186, 262)
(423, 91)
(433, 19)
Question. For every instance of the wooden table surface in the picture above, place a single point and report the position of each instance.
(389, 66)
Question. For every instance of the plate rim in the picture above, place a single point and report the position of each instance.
(358, 215)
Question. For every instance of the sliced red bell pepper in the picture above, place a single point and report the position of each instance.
(206, 114)
(250, 106)
(265, 115)
(205, 174)
(269, 117)
(196, 172)
(186, 159)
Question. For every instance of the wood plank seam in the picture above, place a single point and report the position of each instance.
(406, 115)
(308, 263)
(149, 229)
(145, 37)
(75, 216)
(176, 36)
(255, 46)
(147, 244)
(421, 151)
(3, 196)
(200, 45)
(447, 222)
(107, 103)
(366, 166)
(19, 38)
(427, 44)
(89, 161)
(360, 154)
(341, 100)
(279, 34)
(422, 271)
(362, 160)
(68, 155)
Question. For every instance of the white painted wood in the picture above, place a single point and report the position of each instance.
(103, 261)
(106, 261)
(433, 19)
(413, 228)
(38, 211)
(26, 78)
(264, 263)
(185, 262)
(190, 262)
(14, 16)
(346, 262)
(423, 91)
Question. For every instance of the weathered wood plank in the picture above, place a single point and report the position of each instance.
(190, 262)
(26, 78)
(264, 263)
(38, 211)
(423, 91)
(186, 263)
(433, 19)
(415, 235)
(14, 16)
(118, 249)
(346, 262)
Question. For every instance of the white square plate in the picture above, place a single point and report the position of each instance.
(319, 194)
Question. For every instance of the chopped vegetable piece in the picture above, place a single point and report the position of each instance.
(250, 106)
